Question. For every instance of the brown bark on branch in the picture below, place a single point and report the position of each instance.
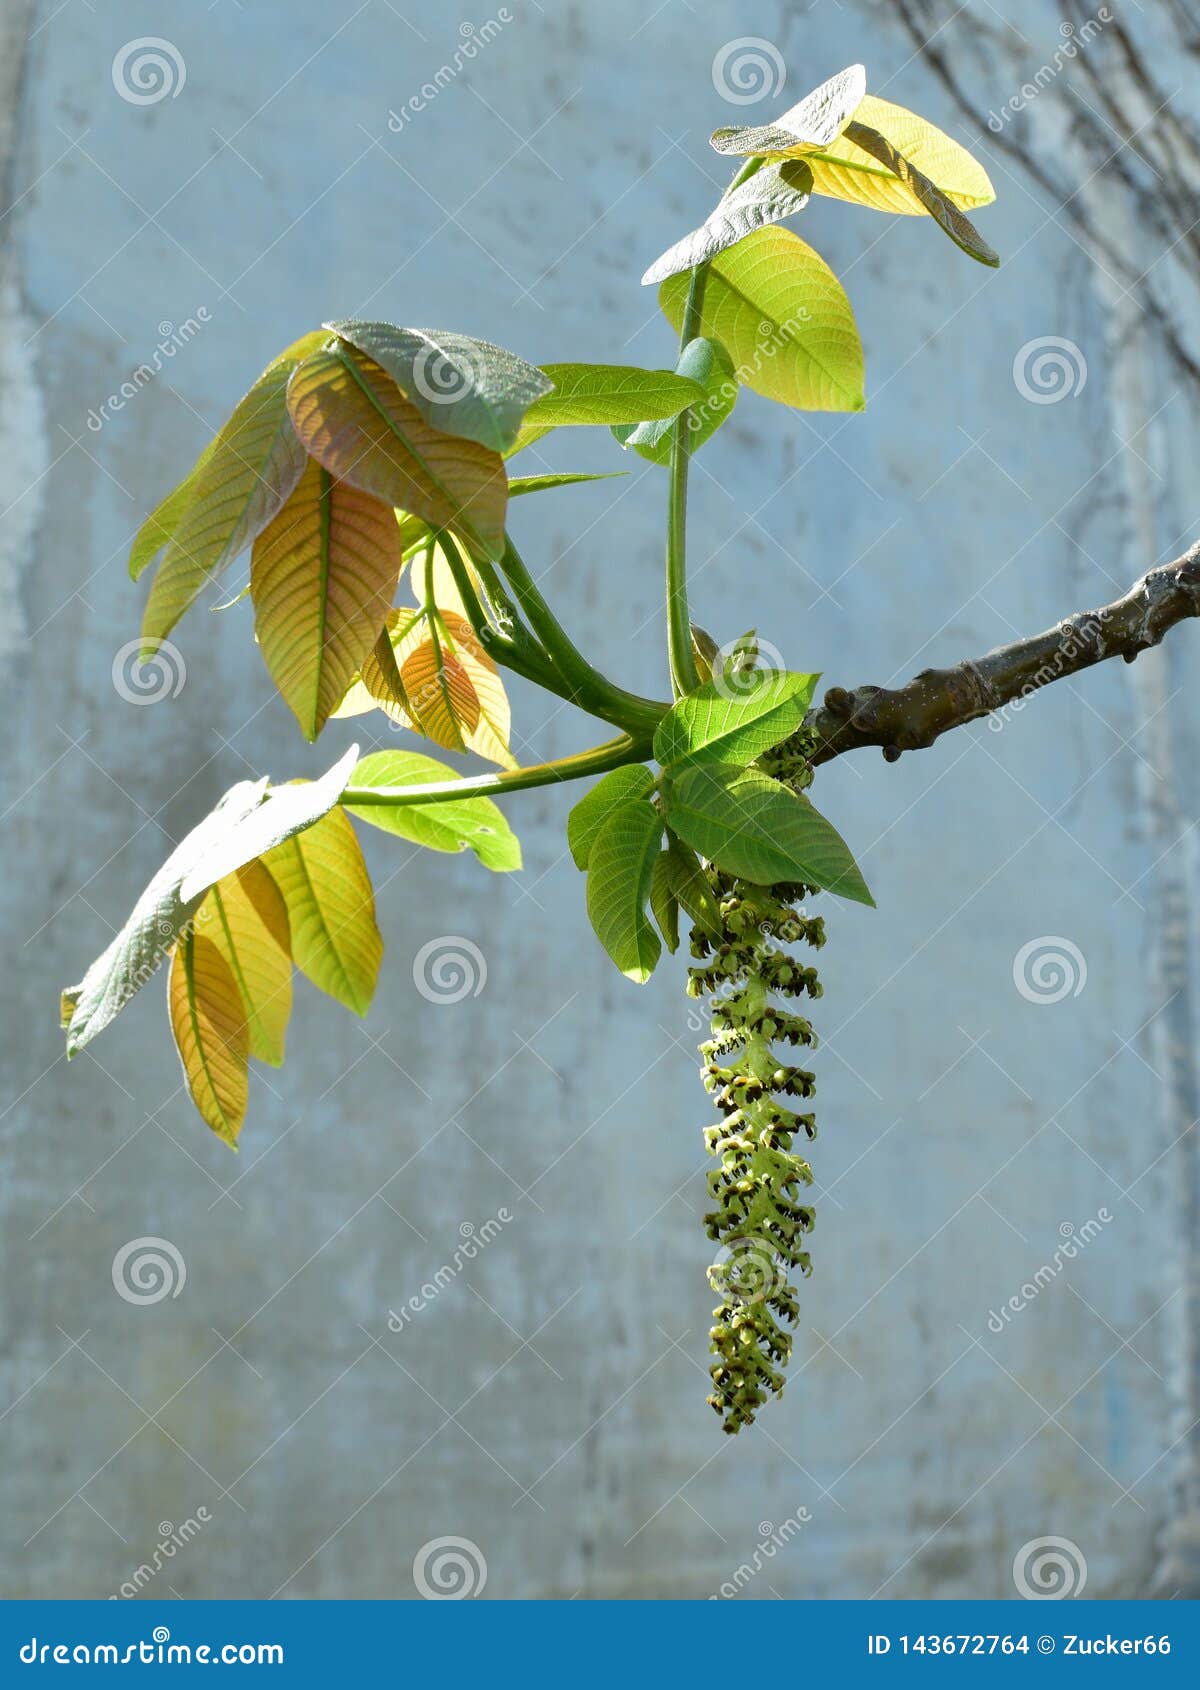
(910, 717)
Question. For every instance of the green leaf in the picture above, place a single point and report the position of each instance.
(663, 902)
(620, 868)
(693, 893)
(519, 484)
(844, 171)
(460, 385)
(755, 827)
(733, 721)
(784, 319)
(284, 811)
(813, 123)
(331, 909)
(775, 192)
(154, 924)
(589, 815)
(351, 417)
(708, 363)
(929, 198)
(454, 824)
(163, 521)
(241, 480)
(323, 574)
(586, 394)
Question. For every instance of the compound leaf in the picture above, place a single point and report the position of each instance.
(606, 394)
(354, 420)
(245, 918)
(733, 721)
(331, 909)
(209, 1026)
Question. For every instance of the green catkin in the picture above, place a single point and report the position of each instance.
(757, 1219)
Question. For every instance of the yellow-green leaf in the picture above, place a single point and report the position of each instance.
(242, 479)
(331, 909)
(322, 576)
(353, 418)
(844, 171)
(245, 917)
(928, 196)
(209, 1025)
(783, 317)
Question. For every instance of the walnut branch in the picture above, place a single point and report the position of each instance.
(910, 717)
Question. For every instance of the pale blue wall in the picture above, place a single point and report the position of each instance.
(963, 1128)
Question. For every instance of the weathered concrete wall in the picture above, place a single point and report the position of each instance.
(548, 1405)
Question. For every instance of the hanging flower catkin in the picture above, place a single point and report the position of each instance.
(757, 1221)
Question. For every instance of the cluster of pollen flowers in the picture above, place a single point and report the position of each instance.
(757, 1219)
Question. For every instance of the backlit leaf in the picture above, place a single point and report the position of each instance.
(606, 394)
(322, 575)
(775, 192)
(589, 815)
(242, 479)
(460, 385)
(929, 198)
(753, 826)
(814, 122)
(331, 909)
(620, 868)
(783, 317)
(285, 810)
(844, 171)
(451, 824)
(209, 1025)
(355, 421)
(245, 918)
(154, 924)
(689, 883)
